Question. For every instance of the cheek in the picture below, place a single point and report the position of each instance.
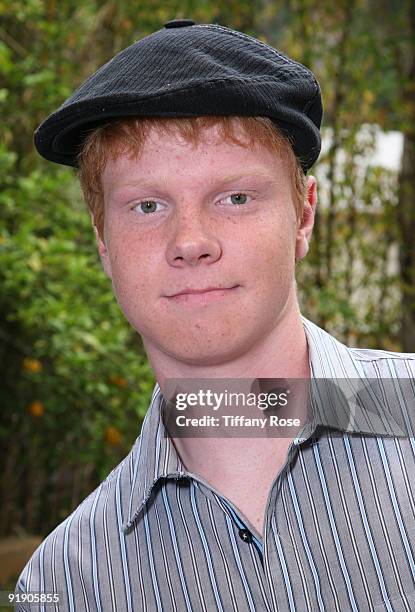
(271, 256)
(132, 275)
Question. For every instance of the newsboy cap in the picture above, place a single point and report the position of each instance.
(188, 70)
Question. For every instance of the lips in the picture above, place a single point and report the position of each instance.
(201, 297)
(200, 291)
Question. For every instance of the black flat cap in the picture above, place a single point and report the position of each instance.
(186, 70)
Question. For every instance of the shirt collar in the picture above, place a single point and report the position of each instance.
(343, 397)
(338, 383)
(152, 457)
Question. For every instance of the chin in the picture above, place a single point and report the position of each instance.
(215, 356)
(205, 359)
(204, 343)
(207, 351)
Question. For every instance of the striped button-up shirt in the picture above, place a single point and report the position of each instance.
(339, 529)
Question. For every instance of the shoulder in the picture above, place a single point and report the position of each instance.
(331, 358)
(386, 390)
(365, 354)
(386, 363)
(68, 553)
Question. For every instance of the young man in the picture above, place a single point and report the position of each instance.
(193, 146)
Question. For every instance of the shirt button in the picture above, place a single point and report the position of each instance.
(179, 23)
(245, 535)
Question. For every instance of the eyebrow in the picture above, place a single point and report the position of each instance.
(253, 175)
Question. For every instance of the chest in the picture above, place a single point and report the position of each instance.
(339, 535)
(248, 487)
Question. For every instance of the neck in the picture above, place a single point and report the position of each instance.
(282, 354)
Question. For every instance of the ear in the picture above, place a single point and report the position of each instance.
(305, 228)
(102, 250)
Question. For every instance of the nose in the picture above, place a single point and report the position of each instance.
(193, 241)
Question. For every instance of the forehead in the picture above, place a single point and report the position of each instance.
(170, 151)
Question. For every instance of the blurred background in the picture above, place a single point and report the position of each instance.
(75, 383)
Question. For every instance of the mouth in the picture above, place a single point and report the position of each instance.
(193, 297)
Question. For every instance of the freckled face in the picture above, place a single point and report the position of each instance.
(200, 245)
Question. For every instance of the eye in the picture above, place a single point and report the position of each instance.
(147, 206)
(237, 199)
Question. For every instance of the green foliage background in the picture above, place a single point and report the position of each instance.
(75, 380)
